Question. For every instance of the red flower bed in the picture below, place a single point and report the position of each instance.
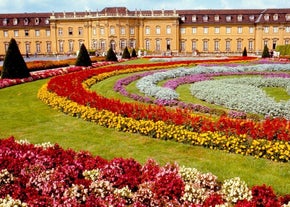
(70, 86)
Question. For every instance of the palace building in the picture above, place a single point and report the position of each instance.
(185, 32)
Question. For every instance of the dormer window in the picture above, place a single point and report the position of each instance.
(47, 21)
(287, 17)
(183, 18)
(216, 18)
(205, 18)
(266, 17)
(240, 18)
(36, 21)
(193, 18)
(15, 21)
(275, 17)
(229, 18)
(26, 21)
(5, 21)
(252, 18)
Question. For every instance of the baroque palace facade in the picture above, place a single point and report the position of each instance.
(155, 31)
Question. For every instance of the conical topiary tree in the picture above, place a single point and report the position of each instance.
(265, 53)
(126, 54)
(134, 54)
(83, 58)
(245, 53)
(14, 65)
(111, 56)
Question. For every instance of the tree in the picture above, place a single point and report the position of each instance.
(134, 54)
(14, 65)
(111, 55)
(245, 53)
(126, 54)
(83, 58)
(265, 53)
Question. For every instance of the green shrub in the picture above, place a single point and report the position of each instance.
(14, 65)
(134, 54)
(283, 49)
(111, 55)
(126, 54)
(265, 53)
(245, 53)
(83, 58)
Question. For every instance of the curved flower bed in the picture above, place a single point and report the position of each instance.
(47, 175)
(71, 95)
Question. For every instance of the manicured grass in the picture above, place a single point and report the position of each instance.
(25, 117)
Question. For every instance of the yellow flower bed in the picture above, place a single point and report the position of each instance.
(273, 150)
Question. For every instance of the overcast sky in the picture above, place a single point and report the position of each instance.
(21, 6)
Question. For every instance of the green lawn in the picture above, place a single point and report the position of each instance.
(25, 117)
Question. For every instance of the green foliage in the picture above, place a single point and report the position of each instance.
(111, 55)
(14, 65)
(265, 53)
(283, 49)
(134, 54)
(83, 58)
(126, 54)
(245, 53)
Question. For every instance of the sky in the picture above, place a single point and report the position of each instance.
(22, 6)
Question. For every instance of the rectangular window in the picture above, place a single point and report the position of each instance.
(123, 31)
(38, 47)
(158, 46)
(216, 46)
(60, 46)
(5, 33)
(102, 31)
(266, 29)
(205, 45)
(193, 30)
(70, 31)
(94, 31)
(251, 30)
(287, 29)
(240, 30)
(123, 44)
(228, 30)
(182, 46)
(158, 31)
(147, 45)
(26, 33)
(216, 30)
(205, 30)
(80, 31)
(27, 48)
(251, 45)
(37, 33)
(132, 31)
(48, 47)
(275, 29)
(182, 30)
(147, 30)
(71, 46)
(60, 32)
(228, 45)
(47, 33)
(239, 45)
(193, 45)
(168, 30)
(16, 34)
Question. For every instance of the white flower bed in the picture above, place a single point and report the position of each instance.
(243, 94)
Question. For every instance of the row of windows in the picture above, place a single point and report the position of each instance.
(16, 21)
(239, 30)
(28, 47)
(240, 18)
(26, 33)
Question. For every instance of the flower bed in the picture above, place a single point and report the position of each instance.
(47, 175)
(71, 95)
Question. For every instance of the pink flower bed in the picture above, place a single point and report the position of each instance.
(47, 175)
